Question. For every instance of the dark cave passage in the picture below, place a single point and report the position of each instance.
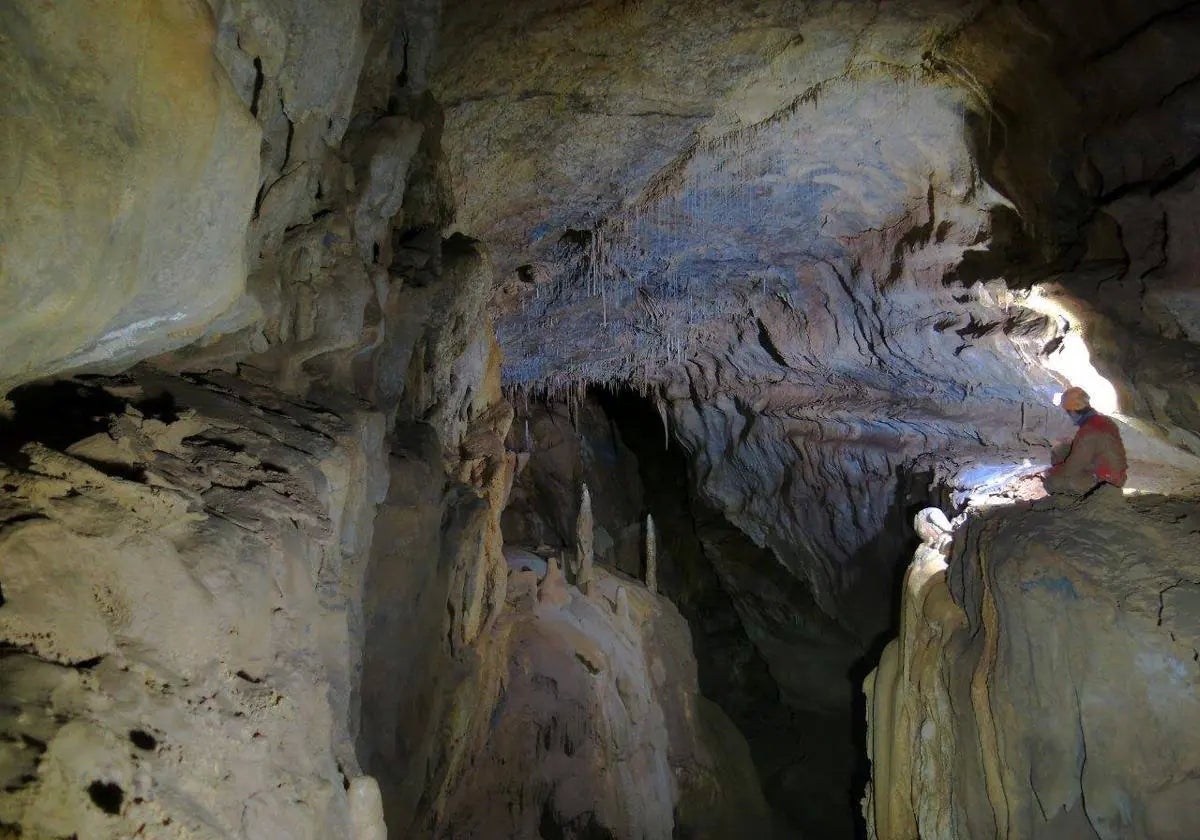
(746, 612)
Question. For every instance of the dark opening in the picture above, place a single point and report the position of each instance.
(142, 740)
(55, 414)
(107, 796)
(258, 86)
(810, 751)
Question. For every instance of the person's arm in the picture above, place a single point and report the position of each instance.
(1081, 457)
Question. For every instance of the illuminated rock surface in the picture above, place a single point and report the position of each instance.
(775, 274)
(1045, 684)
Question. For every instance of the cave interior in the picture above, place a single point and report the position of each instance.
(427, 418)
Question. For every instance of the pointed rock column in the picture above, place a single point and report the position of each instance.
(553, 590)
(366, 809)
(584, 541)
(651, 555)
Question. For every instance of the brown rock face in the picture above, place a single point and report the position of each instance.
(1045, 684)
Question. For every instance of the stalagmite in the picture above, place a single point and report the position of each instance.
(584, 542)
(933, 528)
(366, 809)
(651, 555)
(621, 608)
(553, 589)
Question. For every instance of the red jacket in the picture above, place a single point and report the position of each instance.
(1097, 451)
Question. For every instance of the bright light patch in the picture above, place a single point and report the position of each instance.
(983, 484)
(1071, 360)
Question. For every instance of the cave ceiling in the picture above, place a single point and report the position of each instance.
(763, 198)
(837, 242)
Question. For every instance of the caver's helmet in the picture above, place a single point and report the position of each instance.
(1075, 399)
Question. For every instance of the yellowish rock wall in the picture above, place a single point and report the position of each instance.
(128, 171)
(180, 621)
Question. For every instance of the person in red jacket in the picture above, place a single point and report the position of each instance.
(1096, 454)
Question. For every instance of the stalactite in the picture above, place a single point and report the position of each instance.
(662, 413)
(651, 555)
(584, 542)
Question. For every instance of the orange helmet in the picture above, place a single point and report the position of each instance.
(1075, 399)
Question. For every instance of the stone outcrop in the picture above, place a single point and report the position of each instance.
(183, 570)
(1044, 683)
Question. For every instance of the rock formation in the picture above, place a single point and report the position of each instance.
(128, 195)
(183, 591)
(651, 556)
(1044, 684)
(584, 542)
(346, 298)
(603, 714)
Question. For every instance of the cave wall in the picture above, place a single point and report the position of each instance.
(1100, 162)
(183, 571)
(129, 172)
(1044, 680)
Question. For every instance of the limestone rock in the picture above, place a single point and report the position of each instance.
(1068, 634)
(366, 810)
(933, 528)
(128, 174)
(182, 591)
(651, 555)
(597, 726)
(585, 542)
(553, 588)
(391, 145)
